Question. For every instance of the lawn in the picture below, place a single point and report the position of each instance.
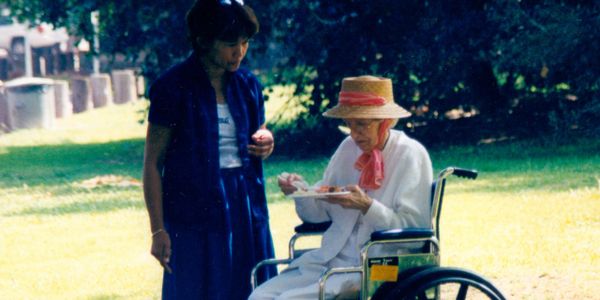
(74, 224)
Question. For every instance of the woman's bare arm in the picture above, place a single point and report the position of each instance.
(157, 140)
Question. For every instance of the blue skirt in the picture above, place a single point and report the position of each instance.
(216, 264)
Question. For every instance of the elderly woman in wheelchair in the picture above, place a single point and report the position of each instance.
(388, 176)
(380, 226)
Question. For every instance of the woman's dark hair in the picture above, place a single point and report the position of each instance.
(225, 20)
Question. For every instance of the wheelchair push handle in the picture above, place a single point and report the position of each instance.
(465, 173)
(460, 172)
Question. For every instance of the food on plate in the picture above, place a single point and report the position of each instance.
(329, 189)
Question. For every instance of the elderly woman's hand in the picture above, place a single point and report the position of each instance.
(286, 182)
(357, 199)
(263, 144)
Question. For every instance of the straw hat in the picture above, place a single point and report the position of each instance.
(366, 97)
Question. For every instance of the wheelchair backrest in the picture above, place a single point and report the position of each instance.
(437, 193)
(437, 196)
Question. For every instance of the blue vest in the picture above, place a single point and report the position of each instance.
(183, 99)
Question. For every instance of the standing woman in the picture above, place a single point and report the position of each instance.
(203, 175)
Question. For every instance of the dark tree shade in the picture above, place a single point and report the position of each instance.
(466, 69)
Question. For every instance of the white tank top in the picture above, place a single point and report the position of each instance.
(228, 149)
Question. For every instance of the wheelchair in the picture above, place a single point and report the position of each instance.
(413, 275)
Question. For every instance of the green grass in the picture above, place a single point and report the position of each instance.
(74, 224)
(64, 238)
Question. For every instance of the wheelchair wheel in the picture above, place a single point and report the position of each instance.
(445, 283)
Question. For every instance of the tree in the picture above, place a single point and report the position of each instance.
(548, 53)
(430, 49)
(466, 69)
(152, 32)
(507, 63)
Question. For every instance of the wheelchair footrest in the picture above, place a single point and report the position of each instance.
(405, 233)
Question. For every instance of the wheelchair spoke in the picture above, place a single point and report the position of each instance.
(422, 296)
(462, 292)
(445, 283)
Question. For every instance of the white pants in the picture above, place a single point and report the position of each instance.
(303, 283)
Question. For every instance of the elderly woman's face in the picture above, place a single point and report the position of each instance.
(364, 132)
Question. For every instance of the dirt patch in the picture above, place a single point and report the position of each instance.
(108, 180)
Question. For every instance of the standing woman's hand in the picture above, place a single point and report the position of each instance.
(263, 143)
(161, 248)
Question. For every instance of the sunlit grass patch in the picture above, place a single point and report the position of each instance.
(526, 241)
(75, 227)
(111, 123)
(78, 256)
(66, 235)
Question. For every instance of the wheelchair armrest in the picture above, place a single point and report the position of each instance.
(264, 263)
(398, 234)
(303, 230)
(312, 227)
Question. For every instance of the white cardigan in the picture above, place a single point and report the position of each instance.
(401, 201)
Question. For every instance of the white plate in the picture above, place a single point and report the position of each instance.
(316, 194)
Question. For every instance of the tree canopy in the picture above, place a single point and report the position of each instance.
(466, 69)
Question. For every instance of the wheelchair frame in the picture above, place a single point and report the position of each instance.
(418, 275)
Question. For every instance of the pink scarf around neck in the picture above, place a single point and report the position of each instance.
(370, 164)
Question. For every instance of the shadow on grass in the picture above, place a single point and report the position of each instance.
(505, 167)
(58, 165)
(525, 166)
(57, 169)
(498, 182)
(81, 207)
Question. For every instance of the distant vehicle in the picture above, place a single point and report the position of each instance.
(39, 36)
(52, 48)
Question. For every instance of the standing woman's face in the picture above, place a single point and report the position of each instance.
(228, 55)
